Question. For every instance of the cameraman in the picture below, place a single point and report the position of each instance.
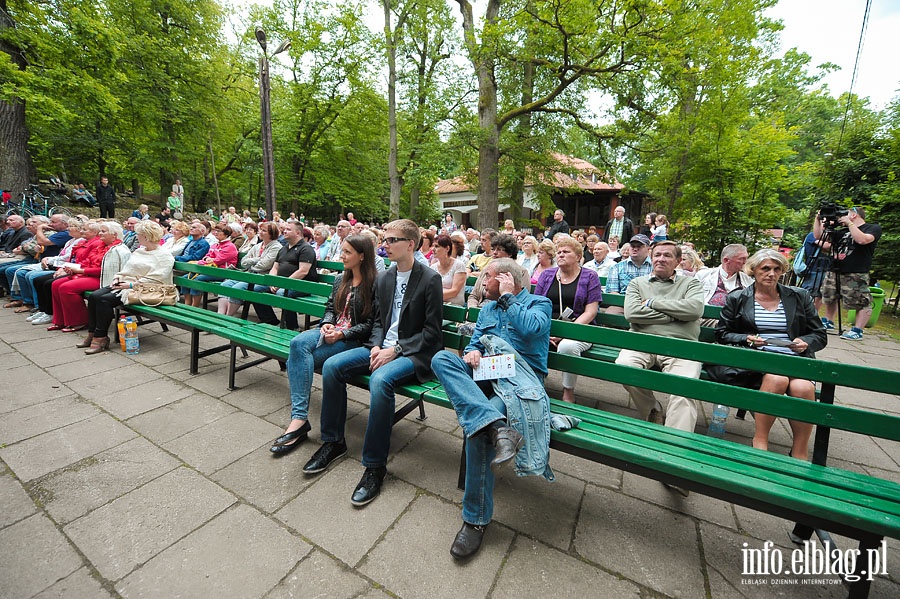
(853, 253)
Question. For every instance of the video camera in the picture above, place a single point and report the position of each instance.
(830, 213)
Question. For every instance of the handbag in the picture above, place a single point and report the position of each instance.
(152, 295)
(733, 375)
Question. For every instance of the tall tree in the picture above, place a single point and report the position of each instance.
(15, 162)
(568, 42)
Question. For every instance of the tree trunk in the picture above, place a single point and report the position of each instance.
(489, 144)
(414, 202)
(517, 187)
(15, 161)
(391, 46)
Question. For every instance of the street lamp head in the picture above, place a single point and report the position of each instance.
(261, 38)
(285, 45)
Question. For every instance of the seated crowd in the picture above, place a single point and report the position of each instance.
(386, 321)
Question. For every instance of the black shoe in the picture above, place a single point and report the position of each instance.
(507, 442)
(324, 456)
(369, 486)
(467, 541)
(287, 442)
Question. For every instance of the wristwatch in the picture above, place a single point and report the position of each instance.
(397, 349)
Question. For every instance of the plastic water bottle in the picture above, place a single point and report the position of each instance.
(121, 326)
(132, 343)
(717, 425)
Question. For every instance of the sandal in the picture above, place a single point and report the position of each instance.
(14, 304)
(22, 309)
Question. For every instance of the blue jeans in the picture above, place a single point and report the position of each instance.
(189, 291)
(235, 285)
(266, 313)
(305, 357)
(336, 373)
(26, 291)
(9, 269)
(475, 411)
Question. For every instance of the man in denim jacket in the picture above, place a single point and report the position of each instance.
(522, 320)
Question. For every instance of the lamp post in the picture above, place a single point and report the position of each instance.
(266, 117)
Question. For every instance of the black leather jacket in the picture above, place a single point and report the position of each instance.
(360, 329)
(738, 320)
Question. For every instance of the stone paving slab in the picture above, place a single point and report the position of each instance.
(223, 441)
(35, 556)
(319, 576)
(45, 453)
(80, 584)
(180, 417)
(258, 554)
(323, 504)
(132, 529)
(414, 557)
(33, 386)
(73, 492)
(16, 503)
(636, 539)
(535, 570)
(43, 417)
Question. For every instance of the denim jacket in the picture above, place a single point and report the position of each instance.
(527, 410)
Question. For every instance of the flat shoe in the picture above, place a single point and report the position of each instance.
(80, 327)
(298, 435)
(285, 448)
(55, 327)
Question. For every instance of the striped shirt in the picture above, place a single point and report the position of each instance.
(772, 325)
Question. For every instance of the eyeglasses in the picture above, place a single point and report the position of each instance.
(393, 240)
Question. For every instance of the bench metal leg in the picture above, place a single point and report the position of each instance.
(820, 457)
(867, 546)
(406, 409)
(195, 350)
(461, 481)
(422, 417)
(233, 367)
(232, 359)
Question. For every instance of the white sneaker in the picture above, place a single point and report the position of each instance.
(34, 315)
(43, 319)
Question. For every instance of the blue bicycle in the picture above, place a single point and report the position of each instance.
(33, 202)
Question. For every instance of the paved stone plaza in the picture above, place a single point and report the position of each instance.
(126, 476)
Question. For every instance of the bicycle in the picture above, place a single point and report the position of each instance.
(33, 202)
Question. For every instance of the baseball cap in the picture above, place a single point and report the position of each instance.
(640, 238)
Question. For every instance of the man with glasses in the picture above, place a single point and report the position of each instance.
(638, 265)
(618, 225)
(405, 336)
(334, 252)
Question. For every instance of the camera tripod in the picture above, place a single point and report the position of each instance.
(820, 263)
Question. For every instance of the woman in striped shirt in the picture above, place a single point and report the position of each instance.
(769, 316)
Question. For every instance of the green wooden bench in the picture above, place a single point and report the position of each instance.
(813, 495)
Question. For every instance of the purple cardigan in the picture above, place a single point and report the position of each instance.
(588, 289)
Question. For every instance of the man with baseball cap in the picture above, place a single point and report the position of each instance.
(638, 265)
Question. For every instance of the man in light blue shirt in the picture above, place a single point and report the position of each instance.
(638, 265)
